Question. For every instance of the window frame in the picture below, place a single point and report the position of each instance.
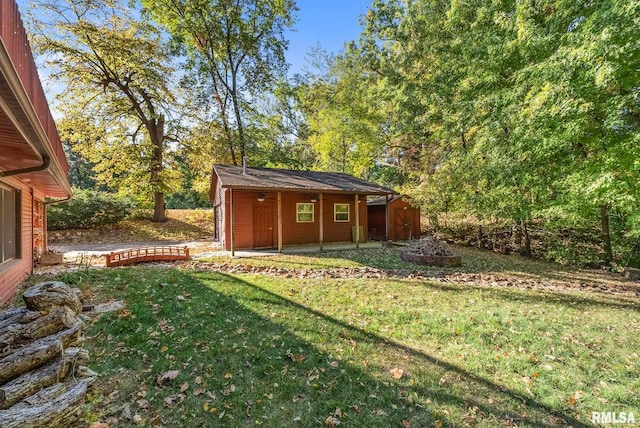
(8, 193)
(335, 212)
(298, 212)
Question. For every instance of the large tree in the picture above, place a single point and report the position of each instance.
(117, 72)
(236, 48)
(517, 111)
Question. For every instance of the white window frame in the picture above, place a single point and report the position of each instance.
(298, 212)
(335, 213)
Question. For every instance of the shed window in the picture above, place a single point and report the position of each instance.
(304, 213)
(341, 212)
(9, 226)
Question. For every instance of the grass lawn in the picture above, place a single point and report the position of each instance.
(260, 350)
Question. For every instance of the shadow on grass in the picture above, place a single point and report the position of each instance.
(239, 352)
(266, 360)
(466, 391)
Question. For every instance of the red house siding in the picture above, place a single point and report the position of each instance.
(246, 207)
(404, 220)
(14, 271)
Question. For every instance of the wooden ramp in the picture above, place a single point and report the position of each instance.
(147, 254)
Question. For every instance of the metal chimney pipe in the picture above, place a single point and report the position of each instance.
(244, 165)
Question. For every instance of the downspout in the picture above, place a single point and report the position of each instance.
(45, 165)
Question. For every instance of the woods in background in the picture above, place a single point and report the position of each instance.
(520, 114)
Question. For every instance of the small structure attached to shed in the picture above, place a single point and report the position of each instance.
(404, 219)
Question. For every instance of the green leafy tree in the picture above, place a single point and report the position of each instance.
(236, 48)
(117, 70)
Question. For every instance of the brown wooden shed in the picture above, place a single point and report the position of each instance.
(404, 219)
(271, 208)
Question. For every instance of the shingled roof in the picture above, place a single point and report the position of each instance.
(272, 179)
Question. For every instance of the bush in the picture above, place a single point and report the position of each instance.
(87, 209)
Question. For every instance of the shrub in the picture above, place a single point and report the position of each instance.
(87, 209)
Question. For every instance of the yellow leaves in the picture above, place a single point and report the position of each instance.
(334, 420)
(406, 424)
(207, 408)
(396, 373)
(228, 375)
(124, 313)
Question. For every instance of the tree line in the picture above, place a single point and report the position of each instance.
(524, 113)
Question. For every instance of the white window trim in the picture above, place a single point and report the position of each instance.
(335, 213)
(313, 210)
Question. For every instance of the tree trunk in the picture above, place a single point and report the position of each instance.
(159, 207)
(480, 236)
(606, 235)
(526, 246)
(156, 132)
(47, 296)
(62, 411)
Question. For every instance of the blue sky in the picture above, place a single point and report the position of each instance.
(329, 23)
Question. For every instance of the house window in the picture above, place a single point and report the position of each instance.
(340, 212)
(304, 213)
(10, 216)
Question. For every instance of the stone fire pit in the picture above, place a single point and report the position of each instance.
(430, 251)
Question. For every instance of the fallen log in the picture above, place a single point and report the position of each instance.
(39, 378)
(12, 312)
(58, 319)
(39, 352)
(29, 357)
(46, 296)
(64, 410)
(9, 323)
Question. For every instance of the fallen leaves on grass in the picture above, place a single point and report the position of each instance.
(396, 373)
(198, 390)
(124, 313)
(296, 358)
(167, 377)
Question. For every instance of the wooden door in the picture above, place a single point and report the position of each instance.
(262, 226)
(403, 221)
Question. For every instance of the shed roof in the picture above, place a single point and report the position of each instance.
(382, 201)
(272, 179)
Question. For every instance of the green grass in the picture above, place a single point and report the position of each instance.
(271, 351)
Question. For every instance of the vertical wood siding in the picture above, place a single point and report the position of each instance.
(293, 233)
(13, 272)
(377, 220)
